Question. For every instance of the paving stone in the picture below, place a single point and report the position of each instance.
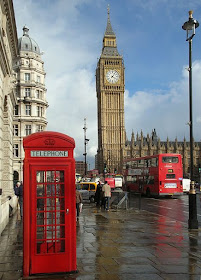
(142, 277)
(180, 277)
(115, 246)
(178, 269)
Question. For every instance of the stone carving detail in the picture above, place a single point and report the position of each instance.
(5, 176)
(6, 152)
(5, 135)
(6, 144)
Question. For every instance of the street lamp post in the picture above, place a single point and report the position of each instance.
(85, 147)
(190, 27)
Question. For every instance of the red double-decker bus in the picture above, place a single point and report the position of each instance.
(156, 175)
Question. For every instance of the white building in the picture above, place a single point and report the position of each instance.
(30, 111)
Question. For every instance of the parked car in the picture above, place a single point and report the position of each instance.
(87, 190)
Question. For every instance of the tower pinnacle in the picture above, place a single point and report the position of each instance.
(108, 11)
(109, 31)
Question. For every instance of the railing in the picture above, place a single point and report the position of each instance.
(119, 199)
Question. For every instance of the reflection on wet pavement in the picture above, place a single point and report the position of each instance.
(123, 244)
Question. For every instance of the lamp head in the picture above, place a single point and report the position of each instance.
(190, 26)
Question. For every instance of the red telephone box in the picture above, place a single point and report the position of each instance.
(49, 204)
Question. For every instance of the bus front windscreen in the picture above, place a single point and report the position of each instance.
(170, 159)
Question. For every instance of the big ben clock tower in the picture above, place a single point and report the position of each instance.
(110, 101)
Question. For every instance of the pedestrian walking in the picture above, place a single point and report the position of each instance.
(19, 193)
(78, 202)
(107, 195)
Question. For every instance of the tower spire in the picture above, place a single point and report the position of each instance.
(108, 12)
(109, 31)
(109, 39)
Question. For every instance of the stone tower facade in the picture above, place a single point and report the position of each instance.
(110, 102)
(30, 111)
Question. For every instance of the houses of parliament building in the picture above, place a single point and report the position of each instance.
(113, 145)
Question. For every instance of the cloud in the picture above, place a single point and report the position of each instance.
(167, 111)
(74, 99)
(70, 33)
(70, 66)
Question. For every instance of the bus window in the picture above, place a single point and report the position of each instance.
(148, 163)
(154, 162)
(141, 163)
(146, 180)
(170, 159)
(129, 178)
(150, 180)
(170, 176)
(134, 164)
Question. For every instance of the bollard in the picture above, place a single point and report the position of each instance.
(192, 222)
(140, 201)
(126, 196)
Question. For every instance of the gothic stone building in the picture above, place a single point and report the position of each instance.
(112, 144)
(141, 145)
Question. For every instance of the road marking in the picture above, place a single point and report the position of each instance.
(159, 206)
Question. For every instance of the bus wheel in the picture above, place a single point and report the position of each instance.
(92, 199)
(148, 193)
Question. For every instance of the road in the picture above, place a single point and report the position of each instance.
(174, 208)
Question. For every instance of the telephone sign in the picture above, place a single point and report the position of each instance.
(49, 153)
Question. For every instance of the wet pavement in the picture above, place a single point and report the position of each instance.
(123, 244)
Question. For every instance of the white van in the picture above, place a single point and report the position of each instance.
(186, 185)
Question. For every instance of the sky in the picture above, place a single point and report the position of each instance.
(156, 56)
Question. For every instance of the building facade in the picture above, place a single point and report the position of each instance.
(30, 111)
(8, 53)
(110, 102)
(80, 167)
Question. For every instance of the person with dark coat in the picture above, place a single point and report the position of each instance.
(78, 201)
(98, 194)
(19, 193)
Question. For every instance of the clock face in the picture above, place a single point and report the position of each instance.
(112, 76)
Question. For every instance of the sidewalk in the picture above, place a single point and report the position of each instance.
(118, 245)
